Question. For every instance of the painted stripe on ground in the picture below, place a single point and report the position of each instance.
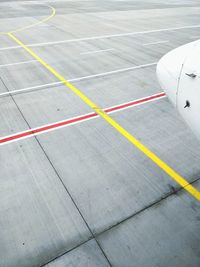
(30, 89)
(101, 37)
(53, 12)
(18, 63)
(128, 136)
(14, 92)
(155, 43)
(64, 123)
(97, 51)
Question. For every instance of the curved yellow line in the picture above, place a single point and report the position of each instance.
(37, 23)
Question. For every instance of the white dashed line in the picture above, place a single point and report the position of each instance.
(97, 51)
(195, 37)
(155, 43)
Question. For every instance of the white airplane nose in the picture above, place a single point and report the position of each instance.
(169, 70)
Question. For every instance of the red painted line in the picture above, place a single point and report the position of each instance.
(46, 128)
(134, 102)
(71, 121)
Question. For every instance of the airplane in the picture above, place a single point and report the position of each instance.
(178, 73)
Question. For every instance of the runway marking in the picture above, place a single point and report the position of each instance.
(77, 79)
(97, 51)
(101, 37)
(64, 123)
(18, 63)
(133, 140)
(155, 43)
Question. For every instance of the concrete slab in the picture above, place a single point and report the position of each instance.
(126, 86)
(86, 255)
(25, 75)
(13, 56)
(111, 174)
(160, 128)
(50, 105)
(10, 117)
(38, 218)
(165, 234)
(75, 64)
(5, 41)
(2, 87)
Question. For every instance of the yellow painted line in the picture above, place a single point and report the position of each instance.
(174, 175)
(53, 12)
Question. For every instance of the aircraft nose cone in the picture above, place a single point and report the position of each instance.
(169, 70)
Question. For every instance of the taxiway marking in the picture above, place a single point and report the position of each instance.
(64, 123)
(195, 37)
(53, 12)
(97, 51)
(10, 47)
(133, 140)
(101, 37)
(32, 88)
(18, 63)
(77, 79)
(155, 43)
(103, 74)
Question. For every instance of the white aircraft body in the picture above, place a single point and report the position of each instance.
(179, 76)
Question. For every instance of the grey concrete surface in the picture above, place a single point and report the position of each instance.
(87, 255)
(82, 195)
(164, 235)
(38, 219)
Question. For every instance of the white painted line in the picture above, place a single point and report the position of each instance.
(155, 43)
(76, 79)
(17, 63)
(78, 119)
(112, 72)
(114, 35)
(102, 37)
(33, 88)
(97, 51)
(195, 37)
(10, 48)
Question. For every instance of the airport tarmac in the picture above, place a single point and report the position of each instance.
(74, 189)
